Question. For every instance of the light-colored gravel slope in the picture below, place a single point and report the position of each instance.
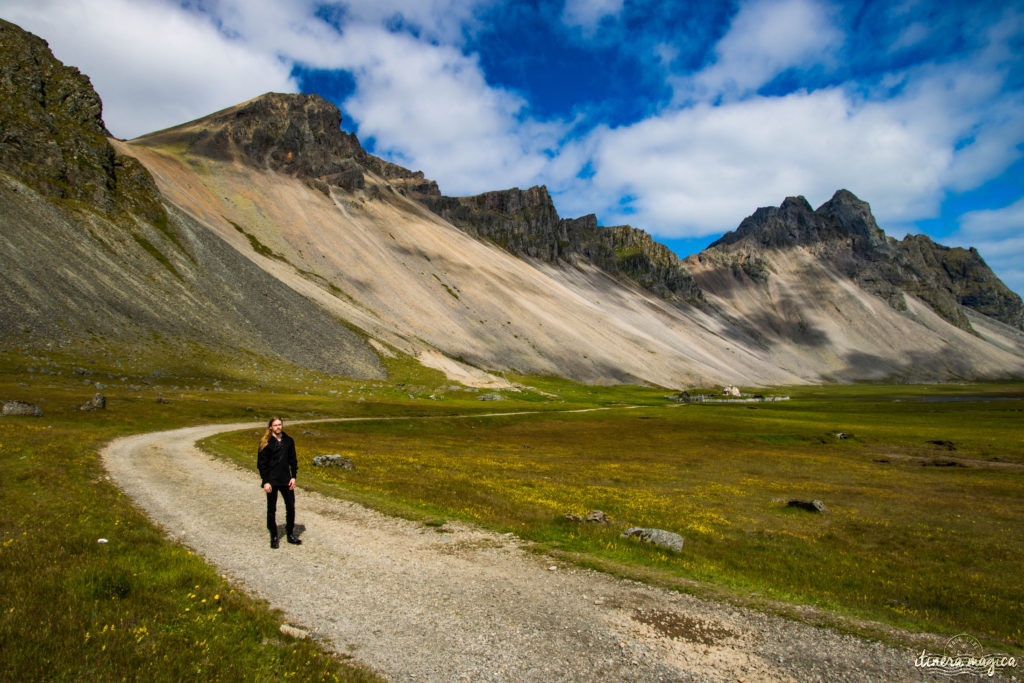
(416, 604)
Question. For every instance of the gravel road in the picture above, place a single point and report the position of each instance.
(415, 604)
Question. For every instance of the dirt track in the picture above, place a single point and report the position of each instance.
(416, 604)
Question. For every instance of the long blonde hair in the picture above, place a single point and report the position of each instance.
(266, 434)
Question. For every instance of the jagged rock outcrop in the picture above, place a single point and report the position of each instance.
(965, 276)
(523, 222)
(526, 223)
(291, 133)
(844, 233)
(52, 135)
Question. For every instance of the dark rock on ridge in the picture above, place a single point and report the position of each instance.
(966, 276)
(52, 135)
(844, 232)
(525, 223)
(296, 134)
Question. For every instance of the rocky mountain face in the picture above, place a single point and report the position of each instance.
(526, 223)
(52, 134)
(95, 257)
(844, 233)
(299, 135)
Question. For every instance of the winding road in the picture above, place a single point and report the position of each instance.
(415, 604)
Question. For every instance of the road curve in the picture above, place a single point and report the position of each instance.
(416, 604)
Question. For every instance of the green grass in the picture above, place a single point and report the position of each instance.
(905, 543)
(257, 246)
(156, 254)
(138, 606)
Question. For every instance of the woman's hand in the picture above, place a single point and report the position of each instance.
(268, 488)
(291, 484)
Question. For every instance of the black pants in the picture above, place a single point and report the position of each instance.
(289, 507)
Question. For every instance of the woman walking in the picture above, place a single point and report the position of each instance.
(278, 466)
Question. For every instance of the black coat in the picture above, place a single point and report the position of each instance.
(276, 461)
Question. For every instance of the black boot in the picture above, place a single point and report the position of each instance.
(294, 540)
(273, 541)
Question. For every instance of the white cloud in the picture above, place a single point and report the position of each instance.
(696, 169)
(693, 169)
(588, 14)
(998, 235)
(700, 170)
(435, 20)
(766, 38)
(430, 108)
(153, 65)
(993, 222)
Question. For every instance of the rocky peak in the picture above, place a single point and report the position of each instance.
(792, 223)
(843, 231)
(52, 135)
(297, 134)
(795, 223)
(854, 217)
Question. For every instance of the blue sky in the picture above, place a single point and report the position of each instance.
(679, 118)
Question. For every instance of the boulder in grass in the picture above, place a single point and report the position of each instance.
(809, 505)
(22, 408)
(334, 461)
(658, 537)
(97, 402)
(598, 517)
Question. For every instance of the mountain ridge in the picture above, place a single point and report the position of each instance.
(844, 231)
(301, 134)
(273, 212)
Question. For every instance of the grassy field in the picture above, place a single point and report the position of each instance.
(925, 495)
(137, 607)
(906, 542)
